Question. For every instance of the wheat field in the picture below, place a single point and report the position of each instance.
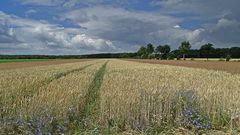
(118, 97)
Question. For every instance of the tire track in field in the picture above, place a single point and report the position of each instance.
(58, 76)
(29, 91)
(91, 106)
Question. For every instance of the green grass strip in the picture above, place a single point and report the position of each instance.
(91, 106)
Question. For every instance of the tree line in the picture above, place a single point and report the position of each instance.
(89, 56)
(184, 51)
(150, 52)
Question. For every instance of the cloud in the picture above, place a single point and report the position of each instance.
(6, 32)
(42, 2)
(223, 33)
(220, 20)
(75, 3)
(203, 10)
(97, 44)
(110, 26)
(177, 26)
(43, 36)
(7, 35)
(165, 2)
(131, 27)
(30, 12)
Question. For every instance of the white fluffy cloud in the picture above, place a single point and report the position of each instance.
(97, 44)
(30, 12)
(42, 36)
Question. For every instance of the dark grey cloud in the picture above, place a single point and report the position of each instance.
(199, 7)
(6, 35)
(131, 28)
(6, 32)
(220, 18)
(223, 33)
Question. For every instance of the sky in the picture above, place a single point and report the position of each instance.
(59, 27)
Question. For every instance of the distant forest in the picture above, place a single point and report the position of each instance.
(150, 52)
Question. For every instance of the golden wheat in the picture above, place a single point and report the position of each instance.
(133, 97)
(62, 94)
(19, 86)
(138, 93)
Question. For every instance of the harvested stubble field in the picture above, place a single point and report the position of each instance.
(118, 97)
(231, 67)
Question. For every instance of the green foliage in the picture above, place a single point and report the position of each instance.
(127, 55)
(146, 52)
(206, 50)
(184, 48)
(167, 49)
(171, 56)
(178, 57)
(159, 49)
(228, 58)
(142, 51)
(163, 50)
(221, 59)
(235, 52)
(223, 119)
(144, 56)
(151, 56)
(157, 128)
(149, 49)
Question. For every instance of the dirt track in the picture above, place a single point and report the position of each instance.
(15, 65)
(231, 67)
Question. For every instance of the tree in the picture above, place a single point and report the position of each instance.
(184, 48)
(228, 58)
(159, 50)
(171, 56)
(163, 50)
(149, 49)
(235, 52)
(142, 52)
(167, 49)
(206, 50)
